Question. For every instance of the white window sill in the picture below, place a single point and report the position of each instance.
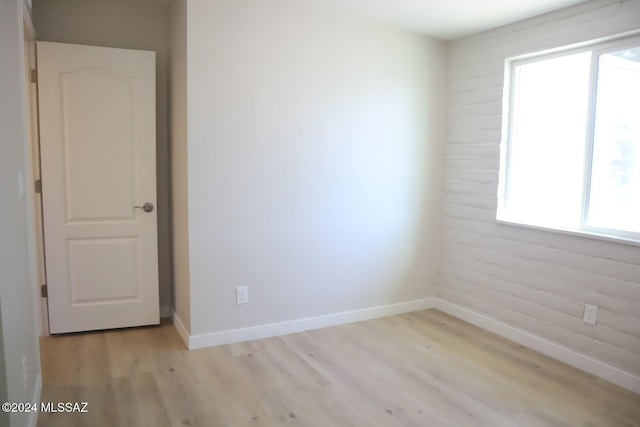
(572, 232)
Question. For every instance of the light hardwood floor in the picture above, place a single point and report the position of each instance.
(418, 369)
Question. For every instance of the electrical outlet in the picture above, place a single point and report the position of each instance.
(242, 295)
(590, 314)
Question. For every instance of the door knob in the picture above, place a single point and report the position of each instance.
(147, 207)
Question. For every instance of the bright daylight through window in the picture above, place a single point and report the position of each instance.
(571, 159)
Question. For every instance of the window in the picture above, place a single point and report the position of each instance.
(571, 157)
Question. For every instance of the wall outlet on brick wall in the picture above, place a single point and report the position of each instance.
(242, 295)
(590, 314)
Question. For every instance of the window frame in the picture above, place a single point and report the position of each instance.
(597, 48)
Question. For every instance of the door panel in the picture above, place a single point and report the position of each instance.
(97, 127)
(99, 145)
(103, 270)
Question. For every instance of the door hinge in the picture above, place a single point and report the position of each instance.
(38, 186)
(34, 76)
(43, 291)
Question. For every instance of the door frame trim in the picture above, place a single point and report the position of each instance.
(34, 201)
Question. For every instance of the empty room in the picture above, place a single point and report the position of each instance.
(319, 213)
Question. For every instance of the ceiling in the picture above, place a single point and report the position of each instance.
(446, 19)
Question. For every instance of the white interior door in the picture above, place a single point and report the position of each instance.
(97, 137)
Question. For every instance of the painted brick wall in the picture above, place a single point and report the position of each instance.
(535, 280)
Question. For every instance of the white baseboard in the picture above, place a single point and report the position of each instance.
(165, 311)
(300, 325)
(549, 348)
(182, 330)
(37, 395)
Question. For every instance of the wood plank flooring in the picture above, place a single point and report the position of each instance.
(419, 369)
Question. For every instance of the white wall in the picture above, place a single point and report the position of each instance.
(534, 280)
(126, 24)
(314, 162)
(19, 330)
(4, 390)
(179, 165)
